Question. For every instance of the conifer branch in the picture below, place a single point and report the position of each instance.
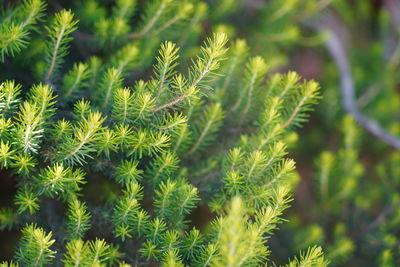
(152, 20)
(78, 219)
(57, 46)
(15, 30)
(239, 50)
(75, 79)
(309, 92)
(34, 247)
(165, 65)
(181, 13)
(170, 104)
(152, 142)
(78, 147)
(256, 69)
(212, 121)
(211, 54)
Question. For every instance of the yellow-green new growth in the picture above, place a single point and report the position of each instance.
(57, 46)
(201, 71)
(16, 30)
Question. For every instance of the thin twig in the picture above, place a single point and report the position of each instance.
(393, 9)
(336, 49)
(383, 216)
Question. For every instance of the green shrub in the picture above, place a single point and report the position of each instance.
(112, 157)
(162, 132)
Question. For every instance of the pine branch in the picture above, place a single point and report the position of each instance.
(57, 46)
(202, 70)
(307, 95)
(154, 20)
(213, 116)
(255, 71)
(15, 32)
(75, 79)
(34, 247)
(147, 142)
(27, 200)
(111, 81)
(164, 69)
(77, 253)
(9, 92)
(78, 219)
(312, 257)
(78, 147)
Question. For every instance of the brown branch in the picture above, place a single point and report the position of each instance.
(336, 49)
(170, 104)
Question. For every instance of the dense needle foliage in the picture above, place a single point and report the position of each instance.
(152, 133)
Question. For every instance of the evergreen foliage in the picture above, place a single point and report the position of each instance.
(122, 122)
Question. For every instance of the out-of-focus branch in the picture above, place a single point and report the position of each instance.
(337, 51)
(321, 5)
(369, 94)
(393, 7)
